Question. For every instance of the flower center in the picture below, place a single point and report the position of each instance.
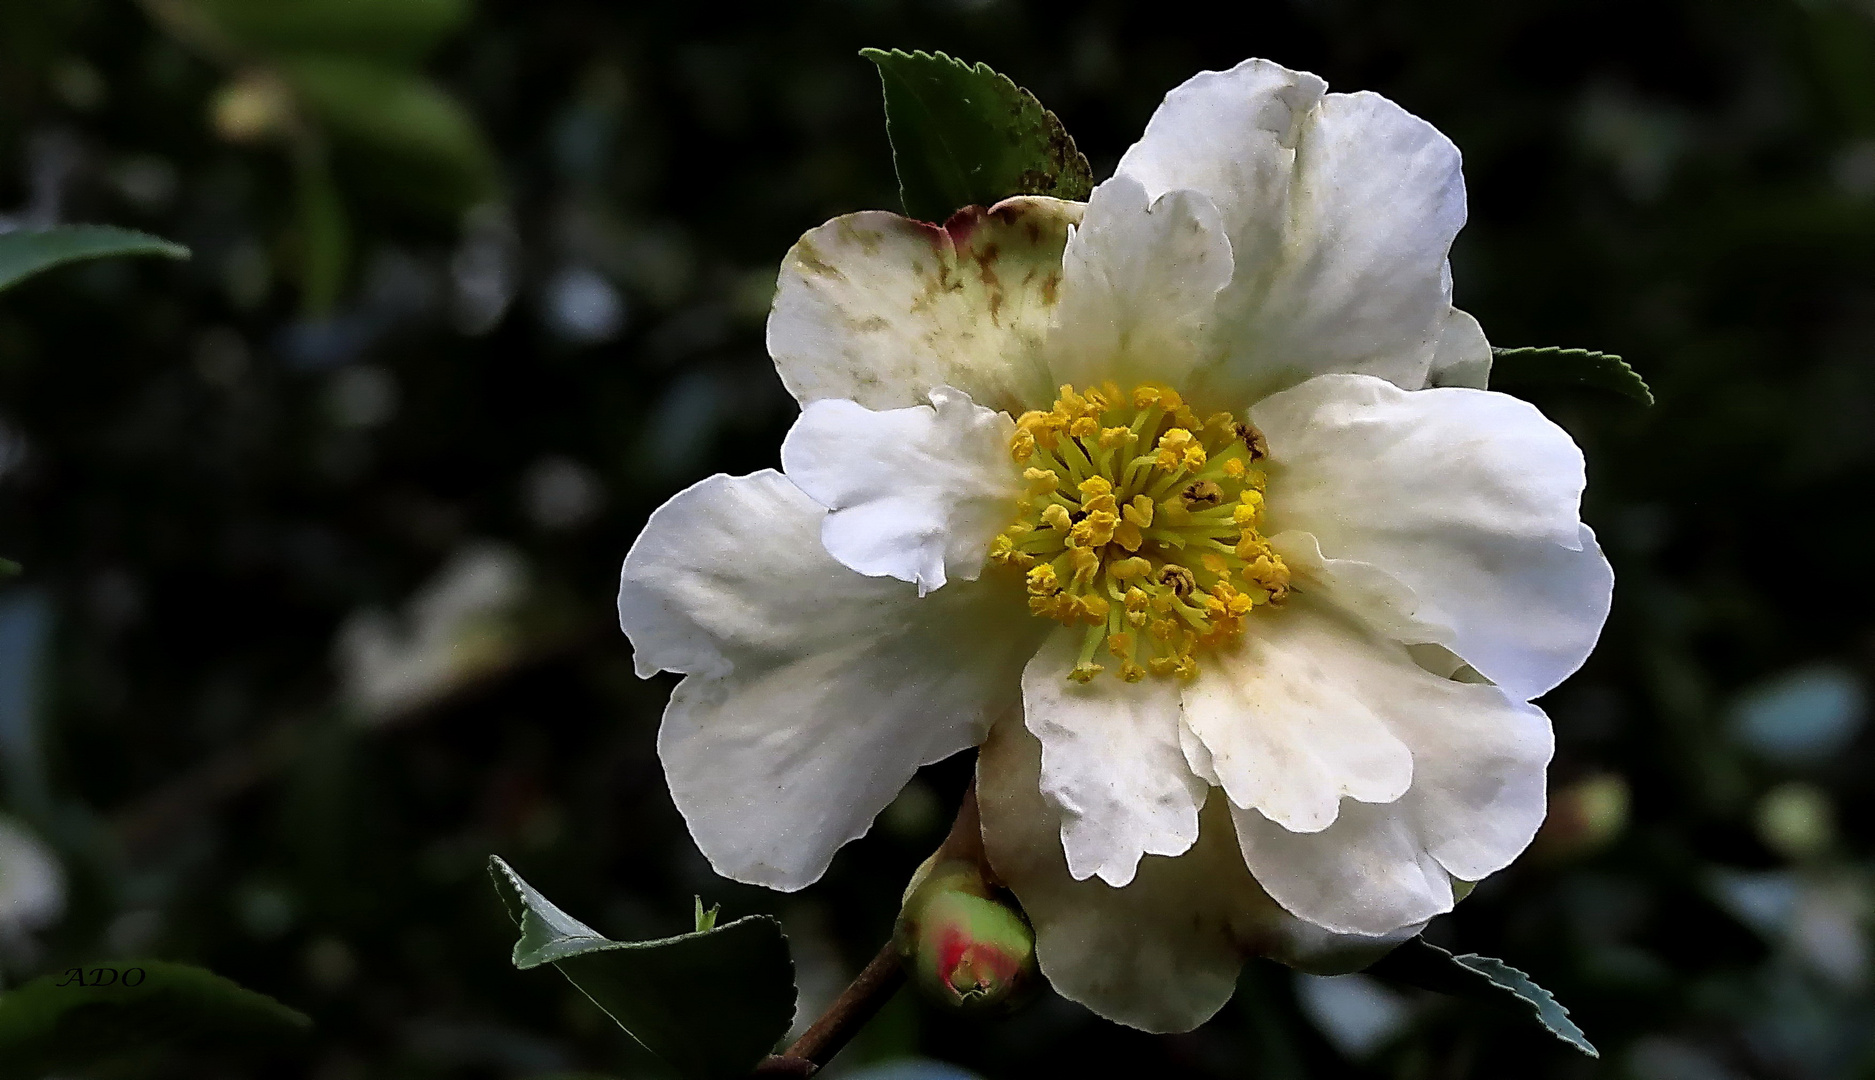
(1141, 523)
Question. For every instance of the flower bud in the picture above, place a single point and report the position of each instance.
(964, 941)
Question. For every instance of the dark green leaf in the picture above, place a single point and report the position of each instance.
(711, 1004)
(1423, 964)
(83, 1017)
(1551, 366)
(967, 136)
(429, 144)
(9, 568)
(25, 253)
(400, 30)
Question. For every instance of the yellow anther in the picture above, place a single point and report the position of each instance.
(1043, 581)
(1041, 481)
(1119, 549)
(1139, 511)
(1022, 445)
(1128, 535)
(1130, 569)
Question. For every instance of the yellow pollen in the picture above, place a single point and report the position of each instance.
(1140, 526)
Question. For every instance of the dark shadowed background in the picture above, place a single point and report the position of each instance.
(321, 529)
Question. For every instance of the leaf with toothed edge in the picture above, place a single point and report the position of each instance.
(1552, 366)
(1420, 963)
(965, 135)
(711, 1003)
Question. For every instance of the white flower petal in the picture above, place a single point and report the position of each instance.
(812, 693)
(1162, 953)
(1476, 799)
(1111, 763)
(1340, 210)
(1464, 355)
(1295, 719)
(1366, 873)
(879, 309)
(915, 494)
(1140, 278)
(1469, 498)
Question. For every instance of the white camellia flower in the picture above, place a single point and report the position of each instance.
(1186, 505)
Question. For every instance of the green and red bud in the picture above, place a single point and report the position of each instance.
(964, 941)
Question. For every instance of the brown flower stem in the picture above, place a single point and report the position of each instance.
(867, 994)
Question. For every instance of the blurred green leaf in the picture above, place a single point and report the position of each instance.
(399, 30)
(9, 568)
(83, 1017)
(324, 236)
(435, 148)
(25, 253)
(967, 136)
(1551, 366)
(711, 1004)
(1420, 963)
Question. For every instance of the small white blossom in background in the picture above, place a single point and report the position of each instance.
(457, 628)
(32, 884)
(1185, 505)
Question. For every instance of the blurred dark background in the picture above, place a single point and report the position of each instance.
(321, 529)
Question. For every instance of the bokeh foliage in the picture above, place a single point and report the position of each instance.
(322, 527)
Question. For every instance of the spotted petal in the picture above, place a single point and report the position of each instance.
(880, 309)
(1469, 498)
(1340, 210)
(811, 693)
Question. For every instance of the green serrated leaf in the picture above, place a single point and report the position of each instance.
(83, 1017)
(441, 159)
(1420, 963)
(711, 1004)
(1552, 366)
(967, 136)
(25, 253)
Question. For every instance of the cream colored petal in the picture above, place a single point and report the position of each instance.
(916, 494)
(1111, 763)
(881, 309)
(1469, 498)
(1163, 953)
(1340, 209)
(1296, 720)
(1476, 799)
(1140, 280)
(1464, 355)
(811, 693)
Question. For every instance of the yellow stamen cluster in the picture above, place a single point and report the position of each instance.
(1140, 521)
